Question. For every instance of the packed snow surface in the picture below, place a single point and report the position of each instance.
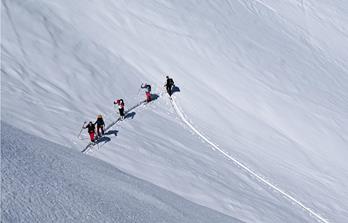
(258, 129)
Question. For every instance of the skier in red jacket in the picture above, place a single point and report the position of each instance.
(120, 104)
(147, 88)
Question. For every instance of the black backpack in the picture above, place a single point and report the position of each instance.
(91, 127)
(100, 121)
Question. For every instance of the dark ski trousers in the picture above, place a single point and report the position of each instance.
(121, 110)
(169, 89)
(100, 128)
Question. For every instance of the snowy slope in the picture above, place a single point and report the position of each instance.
(45, 182)
(264, 80)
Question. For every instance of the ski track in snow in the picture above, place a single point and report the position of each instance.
(89, 145)
(247, 169)
(215, 147)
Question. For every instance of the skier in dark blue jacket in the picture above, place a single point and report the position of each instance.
(100, 125)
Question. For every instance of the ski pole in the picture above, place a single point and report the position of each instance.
(78, 136)
(139, 90)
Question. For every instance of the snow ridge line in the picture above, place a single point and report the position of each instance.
(251, 172)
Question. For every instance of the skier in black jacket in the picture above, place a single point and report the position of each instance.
(91, 130)
(169, 85)
(100, 125)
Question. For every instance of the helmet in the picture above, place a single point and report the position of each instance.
(167, 77)
(99, 116)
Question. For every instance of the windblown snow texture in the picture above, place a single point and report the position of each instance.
(45, 182)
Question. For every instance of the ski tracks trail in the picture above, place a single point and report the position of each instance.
(249, 171)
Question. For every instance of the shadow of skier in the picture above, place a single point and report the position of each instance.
(111, 132)
(175, 89)
(130, 115)
(104, 139)
(154, 97)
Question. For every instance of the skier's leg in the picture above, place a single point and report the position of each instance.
(122, 113)
(170, 90)
(91, 136)
(148, 96)
(98, 130)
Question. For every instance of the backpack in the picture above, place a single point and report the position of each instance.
(170, 81)
(91, 127)
(100, 120)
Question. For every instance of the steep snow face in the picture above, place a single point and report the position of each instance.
(45, 182)
(265, 80)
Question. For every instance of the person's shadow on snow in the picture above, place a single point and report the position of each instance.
(130, 115)
(103, 139)
(154, 97)
(111, 132)
(175, 89)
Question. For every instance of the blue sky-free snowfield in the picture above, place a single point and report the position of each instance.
(45, 182)
(262, 82)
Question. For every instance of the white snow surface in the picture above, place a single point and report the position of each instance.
(53, 184)
(262, 112)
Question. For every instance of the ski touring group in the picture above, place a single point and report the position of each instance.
(97, 129)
